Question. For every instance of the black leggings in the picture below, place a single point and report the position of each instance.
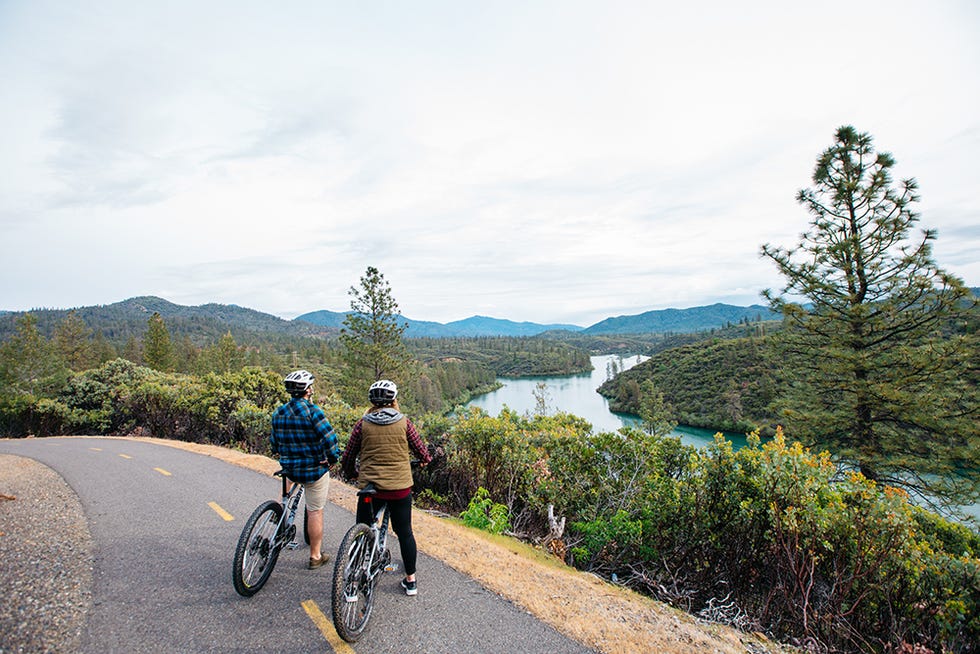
(400, 512)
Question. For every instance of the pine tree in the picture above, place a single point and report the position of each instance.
(73, 339)
(102, 350)
(230, 358)
(879, 379)
(372, 338)
(158, 350)
(132, 350)
(655, 411)
(28, 362)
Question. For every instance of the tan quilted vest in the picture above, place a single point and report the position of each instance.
(385, 458)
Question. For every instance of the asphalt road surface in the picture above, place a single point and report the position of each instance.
(165, 523)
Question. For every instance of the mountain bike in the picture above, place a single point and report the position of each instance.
(268, 531)
(361, 559)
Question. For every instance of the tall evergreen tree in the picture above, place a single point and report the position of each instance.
(28, 362)
(158, 349)
(132, 351)
(372, 337)
(102, 349)
(880, 379)
(655, 411)
(73, 339)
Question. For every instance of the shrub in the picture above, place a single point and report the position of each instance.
(483, 513)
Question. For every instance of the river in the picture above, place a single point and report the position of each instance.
(577, 394)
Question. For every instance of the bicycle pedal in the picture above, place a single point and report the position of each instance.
(293, 545)
(391, 567)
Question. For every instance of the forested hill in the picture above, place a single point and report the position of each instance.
(682, 320)
(201, 324)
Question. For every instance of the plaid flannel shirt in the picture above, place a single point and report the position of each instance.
(302, 437)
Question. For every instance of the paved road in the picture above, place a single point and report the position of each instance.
(162, 569)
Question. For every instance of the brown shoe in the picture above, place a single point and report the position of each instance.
(316, 563)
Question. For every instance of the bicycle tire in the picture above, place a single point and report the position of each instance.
(256, 553)
(353, 593)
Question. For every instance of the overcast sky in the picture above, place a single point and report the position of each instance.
(546, 161)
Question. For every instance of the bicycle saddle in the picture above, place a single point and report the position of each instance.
(369, 490)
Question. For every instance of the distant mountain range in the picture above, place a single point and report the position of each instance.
(208, 321)
(473, 326)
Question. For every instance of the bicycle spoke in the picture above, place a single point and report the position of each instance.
(257, 549)
(353, 587)
(257, 554)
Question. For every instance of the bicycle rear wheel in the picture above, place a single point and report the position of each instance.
(353, 592)
(256, 553)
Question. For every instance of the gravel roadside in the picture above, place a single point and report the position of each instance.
(46, 560)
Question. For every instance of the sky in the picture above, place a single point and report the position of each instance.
(553, 162)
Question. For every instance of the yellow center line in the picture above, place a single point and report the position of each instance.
(162, 471)
(125, 456)
(95, 449)
(326, 628)
(224, 514)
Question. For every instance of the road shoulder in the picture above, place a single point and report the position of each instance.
(46, 559)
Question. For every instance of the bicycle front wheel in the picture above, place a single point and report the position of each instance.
(257, 553)
(353, 592)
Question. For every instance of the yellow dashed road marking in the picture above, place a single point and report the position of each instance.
(162, 471)
(125, 456)
(326, 628)
(224, 514)
(95, 449)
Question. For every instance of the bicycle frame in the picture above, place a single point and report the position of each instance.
(292, 493)
(379, 530)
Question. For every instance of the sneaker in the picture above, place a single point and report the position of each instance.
(411, 588)
(316, 563)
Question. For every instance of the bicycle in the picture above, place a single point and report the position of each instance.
(268, 531)
(361, 559)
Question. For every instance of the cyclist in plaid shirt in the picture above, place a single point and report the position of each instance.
(307, 446)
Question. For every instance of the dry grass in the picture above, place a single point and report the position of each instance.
(580, 605)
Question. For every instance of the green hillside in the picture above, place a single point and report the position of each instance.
(682, 320)
(725, 384)
(201, 324)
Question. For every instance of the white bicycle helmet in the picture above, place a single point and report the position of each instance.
(382, 392)
(297, 382)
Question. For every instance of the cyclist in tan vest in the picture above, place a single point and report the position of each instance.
(380, 451)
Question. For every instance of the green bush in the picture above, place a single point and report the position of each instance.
(800, 549)
(483, 513)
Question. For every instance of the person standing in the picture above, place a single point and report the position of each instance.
(379, 452)
(307, 446)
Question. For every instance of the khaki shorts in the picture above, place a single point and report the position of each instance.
(316, 493)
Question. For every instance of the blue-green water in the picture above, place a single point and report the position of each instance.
(577, 394)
